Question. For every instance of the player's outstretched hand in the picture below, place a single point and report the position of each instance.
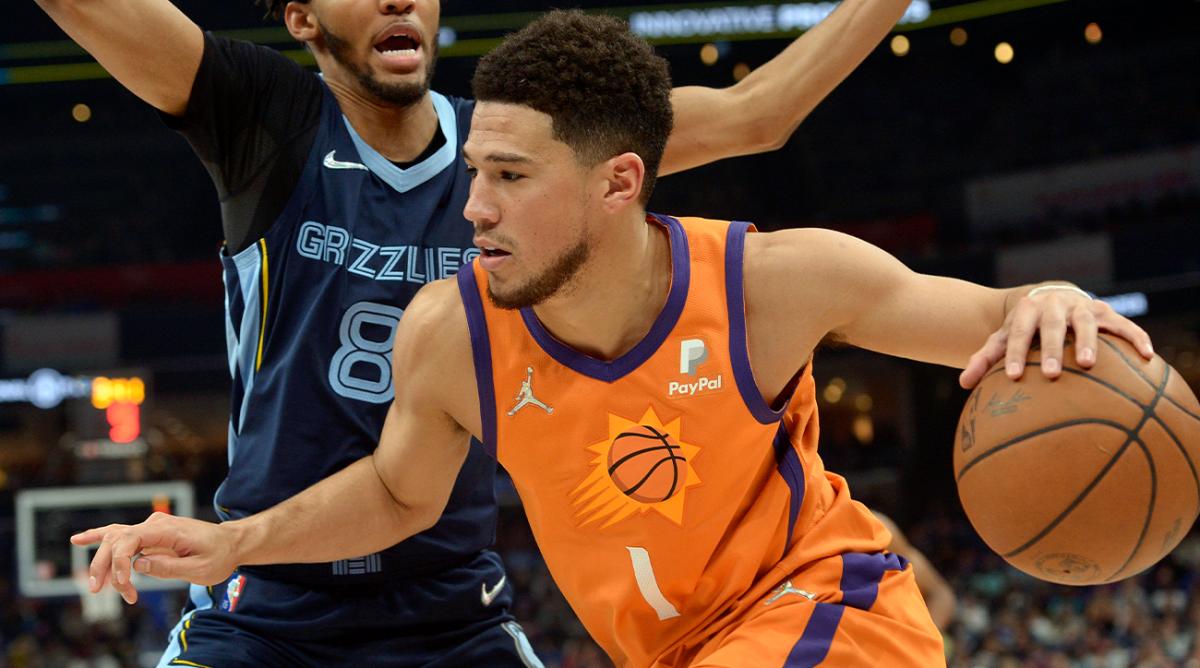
(1049, 312)
(163, 546)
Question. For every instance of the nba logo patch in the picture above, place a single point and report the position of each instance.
(233, 593)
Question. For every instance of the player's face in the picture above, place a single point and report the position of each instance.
(387, 47)
(531, 203)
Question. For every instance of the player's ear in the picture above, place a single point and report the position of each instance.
(300, 22)
(624, 175)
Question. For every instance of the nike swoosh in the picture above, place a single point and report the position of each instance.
(488, 595)
(338, 164)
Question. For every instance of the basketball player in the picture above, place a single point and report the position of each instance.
(936, 592)
(675, 491)
(340, 197)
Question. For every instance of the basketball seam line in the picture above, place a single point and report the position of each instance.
(1038, 432)
(1159, 392)
(1149, 511)
(1148, 381)
(1156, 418)
(1131, 437)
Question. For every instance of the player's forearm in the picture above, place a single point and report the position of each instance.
(942, 605)
(349, 514)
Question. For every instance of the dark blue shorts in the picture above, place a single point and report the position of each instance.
(456, 618)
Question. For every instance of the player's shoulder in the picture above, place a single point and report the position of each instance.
(433, 342)
(792, 279)
(436, 305)
(250, 54)
(260, 71)
(784, 254)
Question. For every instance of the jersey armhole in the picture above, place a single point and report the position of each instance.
(739, 352)
(481, 353)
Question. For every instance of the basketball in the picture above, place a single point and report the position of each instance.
(1086, 479)
(645, 465)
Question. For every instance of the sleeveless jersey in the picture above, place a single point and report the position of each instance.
(665, 494)
(311, 313)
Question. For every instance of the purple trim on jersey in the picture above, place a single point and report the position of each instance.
(788, 461)
(813, 646)
(481, 352)
(861, 574)
(681, 273)
(739, 352)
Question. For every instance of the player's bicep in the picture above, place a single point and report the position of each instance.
(149, 46)
(425, 437)
(419, 456)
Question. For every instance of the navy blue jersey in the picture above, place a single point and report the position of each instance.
(312, 311)
(327, 242)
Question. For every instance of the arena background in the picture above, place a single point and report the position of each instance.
(1077, 158)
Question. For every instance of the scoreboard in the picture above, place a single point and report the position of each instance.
(103, 411)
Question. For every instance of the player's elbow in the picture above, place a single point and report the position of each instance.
(765, 125)
(768, 136)
(426, 515)
(408, 518)
(766, 129)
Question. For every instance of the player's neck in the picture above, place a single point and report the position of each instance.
(617, 295)
(400, 134)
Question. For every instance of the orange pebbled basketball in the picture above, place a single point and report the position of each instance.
(1086, 479)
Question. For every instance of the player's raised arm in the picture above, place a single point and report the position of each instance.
(820, 283)
(398, 491)
(761, 111)
(147, 45)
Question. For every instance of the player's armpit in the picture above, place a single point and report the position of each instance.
(762, 111)
(149, 46)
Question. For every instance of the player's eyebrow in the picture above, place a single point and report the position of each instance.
(500, 157)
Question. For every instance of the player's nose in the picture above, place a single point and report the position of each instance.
(396, 6)
(479, 210)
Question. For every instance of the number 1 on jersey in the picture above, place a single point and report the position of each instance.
(643, 572)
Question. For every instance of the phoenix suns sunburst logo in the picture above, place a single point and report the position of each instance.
(641, 466)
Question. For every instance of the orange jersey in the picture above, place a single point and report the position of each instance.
(666, 496)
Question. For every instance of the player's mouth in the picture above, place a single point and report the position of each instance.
(492, 257)
(399, 48)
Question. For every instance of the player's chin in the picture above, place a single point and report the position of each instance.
(509, 297)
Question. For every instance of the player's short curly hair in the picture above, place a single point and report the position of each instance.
(275, 7)
(604, 88)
